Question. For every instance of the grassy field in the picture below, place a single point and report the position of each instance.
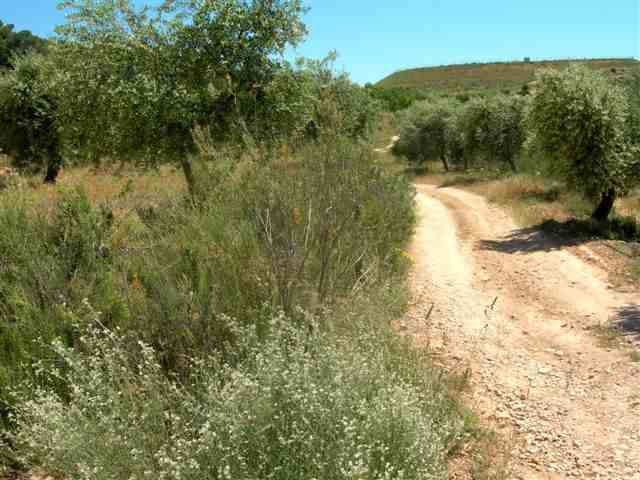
(506, 75)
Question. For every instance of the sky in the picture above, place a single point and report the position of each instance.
(375, 38)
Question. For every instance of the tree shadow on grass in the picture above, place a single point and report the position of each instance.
(627, 322)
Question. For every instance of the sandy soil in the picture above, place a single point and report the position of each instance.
(517, 308)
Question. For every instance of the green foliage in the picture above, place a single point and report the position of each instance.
(578, 119)
(457, 148)
(28, 116)
(632, 88)
(456, 133)
(423, 131)
(275, 231)
(395, 99)
(16, 44)
(48, 265)
(334, 104)
(300, 403)
(494, 127)
(133, 83)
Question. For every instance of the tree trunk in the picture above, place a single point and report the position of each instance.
(513, 165)
(602, 211)
(444, 163)
(466, 163)
(53, 168)
(187, 170)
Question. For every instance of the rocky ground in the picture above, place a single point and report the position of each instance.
(526, 314)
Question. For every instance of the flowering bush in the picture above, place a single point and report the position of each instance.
(301, 403)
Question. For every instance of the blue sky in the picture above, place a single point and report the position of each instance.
(375, 38)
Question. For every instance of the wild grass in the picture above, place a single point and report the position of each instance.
(242, 332)
(304, 229)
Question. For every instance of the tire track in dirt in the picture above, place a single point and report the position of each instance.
(515, 307)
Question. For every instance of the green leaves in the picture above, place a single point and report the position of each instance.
(28, 121)
(17, 43)
(134, 82)
(577, 117)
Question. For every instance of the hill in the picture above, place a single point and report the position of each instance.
(492, 75)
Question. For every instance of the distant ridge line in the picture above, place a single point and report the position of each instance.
(492, 74)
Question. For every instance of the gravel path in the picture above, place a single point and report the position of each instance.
(517, 309)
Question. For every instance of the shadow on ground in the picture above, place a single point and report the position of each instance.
(627, 321)
(553, 235)
(538, 238)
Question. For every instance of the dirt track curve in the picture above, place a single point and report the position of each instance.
(517, 309)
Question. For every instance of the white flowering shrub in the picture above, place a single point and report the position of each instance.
(299, 404)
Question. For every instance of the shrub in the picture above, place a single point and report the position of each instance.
(275, 231)
(14, 44)
(301, 403)
(48, 265)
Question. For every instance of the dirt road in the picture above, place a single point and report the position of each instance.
(517, 308)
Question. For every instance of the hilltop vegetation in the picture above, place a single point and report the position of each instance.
(492, 76)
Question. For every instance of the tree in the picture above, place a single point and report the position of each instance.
(423, 132)
(456, 146)
(28, 117)
(502, 134)
(632, 89)
(135, 82)
(578, 118)
(494, 127)
(395, 99)
(17, 44)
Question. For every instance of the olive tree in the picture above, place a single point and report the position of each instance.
(494, 127)
(456, 145)
(578, 117)
(135, 81)
(632, 88)
(423, 132)
(504, 133)
(29, 129)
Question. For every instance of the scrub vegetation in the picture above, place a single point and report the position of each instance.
(204, 287)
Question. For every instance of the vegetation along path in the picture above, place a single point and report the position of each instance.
(521, 311)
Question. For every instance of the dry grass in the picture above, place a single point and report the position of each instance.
(491, 75)
(124, 189)
(531, 199)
